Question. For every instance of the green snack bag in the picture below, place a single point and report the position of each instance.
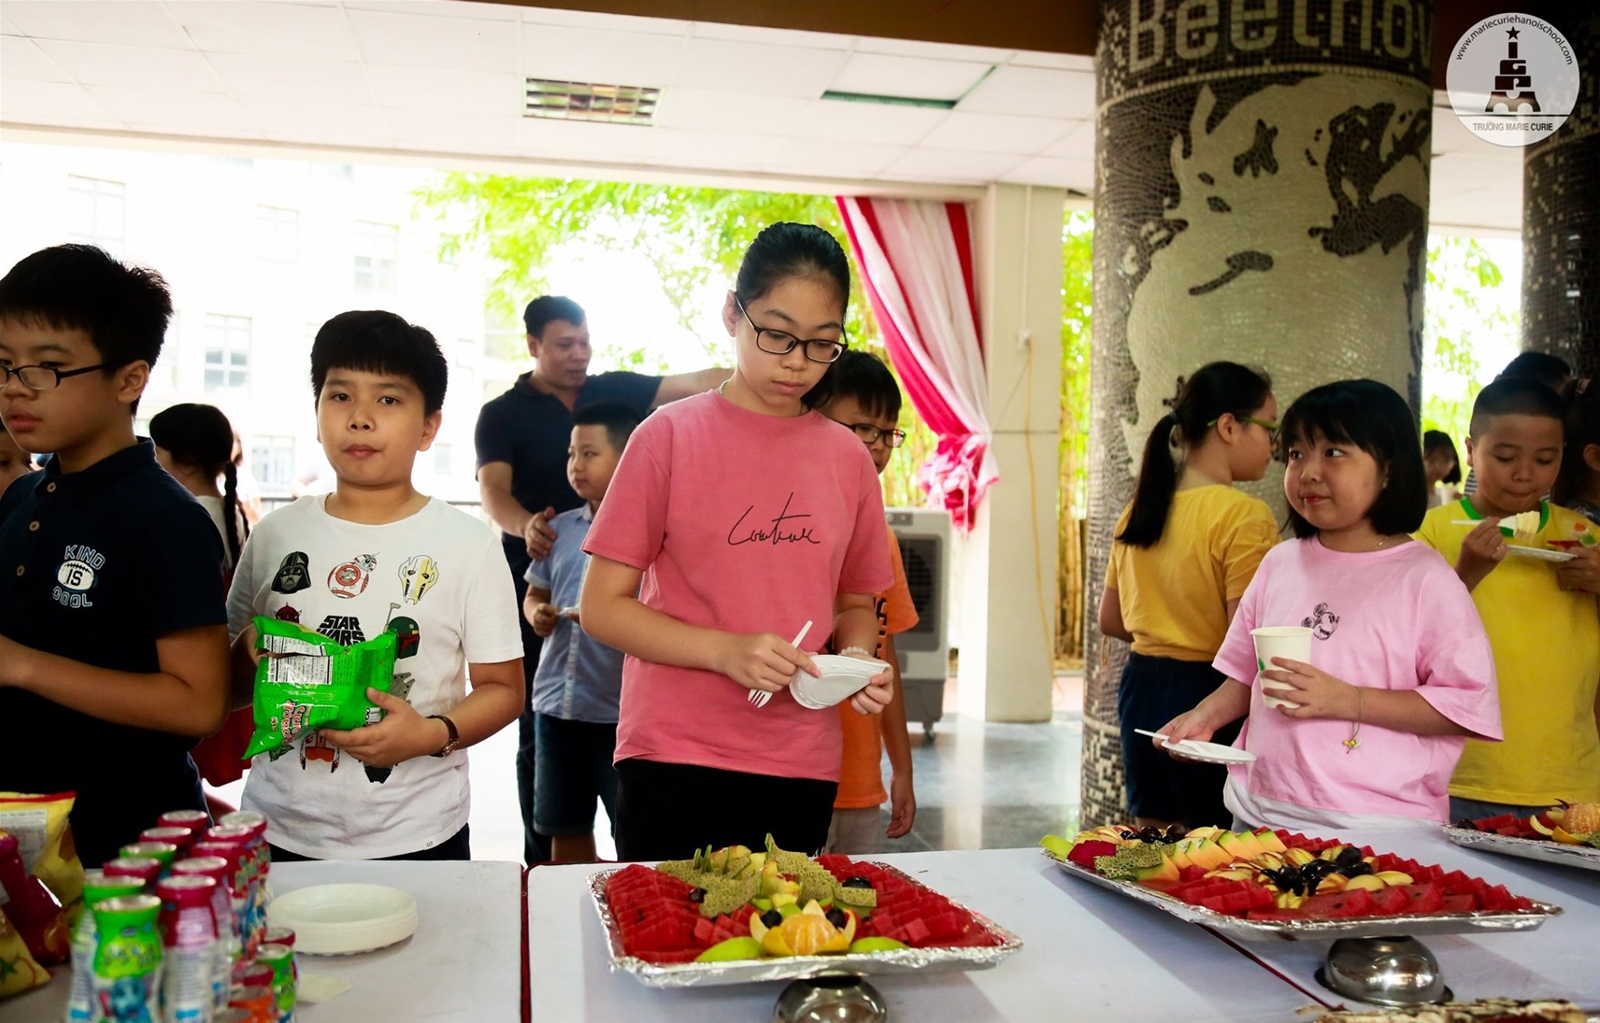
(307, 681)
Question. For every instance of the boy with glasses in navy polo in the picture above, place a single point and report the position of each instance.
(113, 634)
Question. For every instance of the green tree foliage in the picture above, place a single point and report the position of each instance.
(1077, 291)
(1469, 306)
(693, 237)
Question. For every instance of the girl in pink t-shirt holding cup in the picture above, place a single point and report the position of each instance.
(736, 517)
(1367, 730)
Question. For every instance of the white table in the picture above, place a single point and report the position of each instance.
(1088, 955)
(464, 963)
(1559, 960)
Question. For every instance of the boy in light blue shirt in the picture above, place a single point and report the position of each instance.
(578, 684)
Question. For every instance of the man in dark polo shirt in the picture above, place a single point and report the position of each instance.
(522, 438)
(113, 631)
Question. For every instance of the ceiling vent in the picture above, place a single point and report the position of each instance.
(584, 101)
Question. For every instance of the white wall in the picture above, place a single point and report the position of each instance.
(194, 219)
(1009, 559)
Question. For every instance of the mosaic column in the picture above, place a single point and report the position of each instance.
(1262, 197)
(1561, 212)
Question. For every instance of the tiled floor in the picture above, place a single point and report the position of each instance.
(978, 785)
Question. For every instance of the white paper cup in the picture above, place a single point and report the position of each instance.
(1291, 641)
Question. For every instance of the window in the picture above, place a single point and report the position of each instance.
(95, 212)
(441, 459)
(278, 234)
(227, 351)
(272, 461)
(376, 245)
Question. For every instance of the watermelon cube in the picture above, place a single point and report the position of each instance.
(915, 932)
(1391, 901)
(1425, 898)
(1339, 905)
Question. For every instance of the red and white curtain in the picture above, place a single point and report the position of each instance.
(916, 259)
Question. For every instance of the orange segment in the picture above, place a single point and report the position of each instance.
(807, 933)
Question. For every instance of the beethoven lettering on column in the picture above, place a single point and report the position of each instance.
(1262, 197)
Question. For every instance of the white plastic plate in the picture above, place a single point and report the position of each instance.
(1542, 553)
(343, 919)
(1209, 752)
(842, 677)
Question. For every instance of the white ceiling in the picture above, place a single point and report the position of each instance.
(443, 79)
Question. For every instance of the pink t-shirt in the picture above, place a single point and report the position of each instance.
(1389, 619)
(744, 523)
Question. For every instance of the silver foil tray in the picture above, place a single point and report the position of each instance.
(751, 971)
(1583, 857)
(1305, 930)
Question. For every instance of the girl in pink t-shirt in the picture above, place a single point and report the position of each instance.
(1401, 673)
(735, 517)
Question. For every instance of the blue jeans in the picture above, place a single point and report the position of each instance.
(1477, 809)
(574, 769)
(1153, 691)
(535, 847)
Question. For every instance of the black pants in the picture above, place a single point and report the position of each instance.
(667, 811)
(535, 847)
(457, 847)
(1155, 690)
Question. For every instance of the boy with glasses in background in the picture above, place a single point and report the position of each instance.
(865, 397)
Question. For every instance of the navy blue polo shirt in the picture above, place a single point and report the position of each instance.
(95, 565)
(531, 430)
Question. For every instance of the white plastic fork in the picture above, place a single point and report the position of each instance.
(759, 697)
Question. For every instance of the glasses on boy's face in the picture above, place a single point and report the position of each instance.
(1268, 425)
(780, 342)
(869, 434)
(42, 378)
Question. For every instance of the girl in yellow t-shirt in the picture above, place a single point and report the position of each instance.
(1185, 550)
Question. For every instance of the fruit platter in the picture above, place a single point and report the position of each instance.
(1568, 834)
(1266, 885)
(736, 916)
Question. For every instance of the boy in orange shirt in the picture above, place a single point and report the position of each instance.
(865, 398)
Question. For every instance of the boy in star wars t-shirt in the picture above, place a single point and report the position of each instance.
(376, 556)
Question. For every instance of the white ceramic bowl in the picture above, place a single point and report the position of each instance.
(842, 677)
(343, 919)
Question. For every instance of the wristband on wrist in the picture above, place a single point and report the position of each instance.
(855, 650)
(452, 743)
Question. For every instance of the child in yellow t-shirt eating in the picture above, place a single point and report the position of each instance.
(1541, 617)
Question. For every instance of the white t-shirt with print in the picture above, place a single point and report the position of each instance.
(438, 578)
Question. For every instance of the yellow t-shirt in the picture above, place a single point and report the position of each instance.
(1173, 595)
(1546, 644)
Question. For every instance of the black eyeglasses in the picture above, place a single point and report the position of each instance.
(1269, 425)
(781, 342)
(869, 434)
(42, 378)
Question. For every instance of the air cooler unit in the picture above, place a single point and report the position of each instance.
(924, 536)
